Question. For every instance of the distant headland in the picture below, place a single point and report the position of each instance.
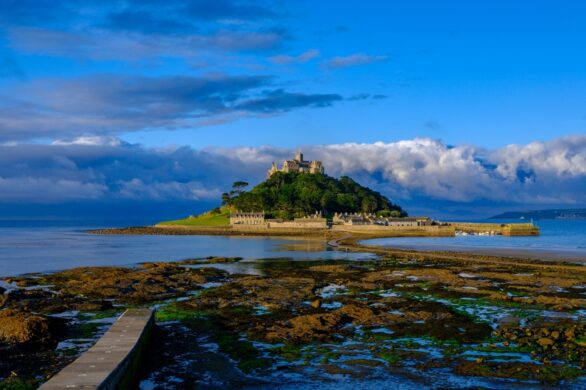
(544, 214)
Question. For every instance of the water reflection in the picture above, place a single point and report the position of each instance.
(25, 250)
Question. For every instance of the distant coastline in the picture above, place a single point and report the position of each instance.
(570, 214)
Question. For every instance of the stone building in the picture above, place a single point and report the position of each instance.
(298, 164)
(257, 220)
(314, 221)
(373, 219)
(241, 218)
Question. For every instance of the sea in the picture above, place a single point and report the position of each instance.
(49, 246)
(564, 237)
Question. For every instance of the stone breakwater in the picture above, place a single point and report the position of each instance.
(505, 229)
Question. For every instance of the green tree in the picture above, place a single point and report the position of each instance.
(238, 187)
(285, 195)
(226, 199)
(369, 204)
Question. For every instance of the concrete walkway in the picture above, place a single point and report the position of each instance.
(105, 365)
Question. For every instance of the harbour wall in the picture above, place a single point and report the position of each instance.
(506, 229)
(398, 231)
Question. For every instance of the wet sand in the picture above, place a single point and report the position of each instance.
(541, 254)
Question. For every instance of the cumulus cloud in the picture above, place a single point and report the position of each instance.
(48, 190)
(109, 104)
(539, 173)
(352, 60)
(300, 59)
(91, 141)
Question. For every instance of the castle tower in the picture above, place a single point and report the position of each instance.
(299, 165)
(273, 169)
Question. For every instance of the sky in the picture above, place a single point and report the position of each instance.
(450, 108)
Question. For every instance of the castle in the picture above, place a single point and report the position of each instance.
(298, 165)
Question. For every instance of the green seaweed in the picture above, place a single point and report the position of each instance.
(15, 383)
(243, 351)
(175, 311)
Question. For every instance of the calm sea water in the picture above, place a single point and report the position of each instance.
(47, 247)
(28, 247)
(563, 236)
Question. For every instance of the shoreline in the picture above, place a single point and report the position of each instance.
(342, 240)
(526, 253)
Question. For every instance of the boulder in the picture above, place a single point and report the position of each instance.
(20, 327)
(545, 342)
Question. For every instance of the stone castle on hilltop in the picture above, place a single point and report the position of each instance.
(298, 165)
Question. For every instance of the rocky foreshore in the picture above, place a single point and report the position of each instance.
(415, 319)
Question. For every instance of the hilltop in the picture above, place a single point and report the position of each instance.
(544, 214)
(287, 195)
(290, 194)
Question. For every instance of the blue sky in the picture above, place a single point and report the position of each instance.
(221, 76)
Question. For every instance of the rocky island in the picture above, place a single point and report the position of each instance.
(300, 199)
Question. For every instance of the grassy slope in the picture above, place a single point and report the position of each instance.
(205, 219)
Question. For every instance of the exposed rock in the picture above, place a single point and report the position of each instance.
(335, 269)
(306, 327)
(3, 297)
(151, 281)
(545, 342)
(360, 315)
(19, 327)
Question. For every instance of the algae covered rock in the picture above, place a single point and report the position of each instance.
(3, 297)
(306, 327)
(20, 327)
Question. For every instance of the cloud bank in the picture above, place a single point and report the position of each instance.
(105, 169)
(133, 30)
(110, 104)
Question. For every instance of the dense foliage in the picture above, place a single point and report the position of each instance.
(288, 195)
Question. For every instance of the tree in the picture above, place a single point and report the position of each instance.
(285, 195)
(239, 186)
(226, 199)
(369, 204)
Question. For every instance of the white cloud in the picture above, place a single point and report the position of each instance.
(300, 59)
(353, 60)
(90, 141)
(48, 190)
(105, 168)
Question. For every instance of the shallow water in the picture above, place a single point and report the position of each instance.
(557, 236)
(48, 249)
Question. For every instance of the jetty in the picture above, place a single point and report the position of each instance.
(112, 361)
(505, 229)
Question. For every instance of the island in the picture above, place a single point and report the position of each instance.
(300, 199)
